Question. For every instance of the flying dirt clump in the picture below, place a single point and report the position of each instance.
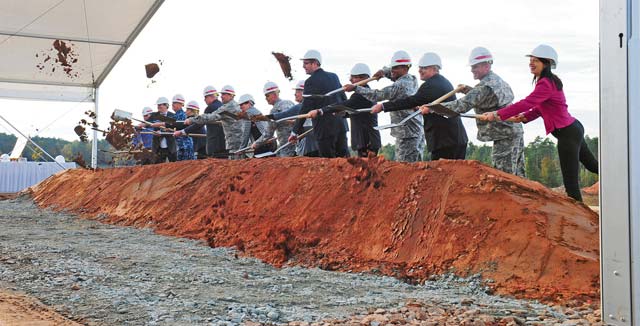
(61, 56)
(285, 65)
(422, 219)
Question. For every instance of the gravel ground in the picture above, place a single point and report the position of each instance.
(101, 274)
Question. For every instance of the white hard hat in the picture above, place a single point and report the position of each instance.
(228, 89)
(246, 98)
(430, 59)
(360, 69)
(546, 52)
(209, 90)
(480, 54)
(178, 98)
(162, 100)
(400, 58)
(147, 110)
(299, 85)
(270, 87)
(193, 105)
(312, 54)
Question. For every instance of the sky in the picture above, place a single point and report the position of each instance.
(217, 43)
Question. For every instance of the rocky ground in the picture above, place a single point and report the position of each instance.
(100, 274)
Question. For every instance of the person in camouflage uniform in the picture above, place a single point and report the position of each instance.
(409, 138)
(491, 94)
(185, 144)
(247, 103)
(225, 114)
(282, 129)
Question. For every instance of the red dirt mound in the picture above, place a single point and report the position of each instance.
(405, 220)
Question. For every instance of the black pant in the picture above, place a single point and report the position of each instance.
(457, 152)
(333, 146)
(163, 154)
(572, 150)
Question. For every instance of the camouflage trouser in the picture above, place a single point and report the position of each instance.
(409, 149)
(233, 145)
(508, 155)
(287, 151)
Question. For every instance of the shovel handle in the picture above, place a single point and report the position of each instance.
(446, 96)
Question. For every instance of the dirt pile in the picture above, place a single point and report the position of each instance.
(405, 220)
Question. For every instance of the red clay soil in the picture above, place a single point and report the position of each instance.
(593, 189)
(405, 220)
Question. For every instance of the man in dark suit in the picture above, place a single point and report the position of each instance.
(216, 146)
(364, 138)
(164, 146)
(446, 138)
(329, 129)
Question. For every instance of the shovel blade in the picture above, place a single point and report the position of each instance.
(393, 125)
(443, 111)
(122, 115)
(265, 154)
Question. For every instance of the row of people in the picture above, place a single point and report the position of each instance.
(492, 98)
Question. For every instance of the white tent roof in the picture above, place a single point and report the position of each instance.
(95, 33)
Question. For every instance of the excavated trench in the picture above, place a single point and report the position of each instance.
(410, 221)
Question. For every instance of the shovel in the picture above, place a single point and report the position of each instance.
(293, 117)
(341, 89)
(120, 115)
(266, 154)
(249, 149)
(448, 113)
(169, 134)
(414, 114)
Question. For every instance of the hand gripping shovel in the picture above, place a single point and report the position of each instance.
(414, 114)
(448, 113)
(341, 89)
(266, 154)
(250, 149)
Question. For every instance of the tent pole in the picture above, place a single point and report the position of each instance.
(34, 143)
(94, 142)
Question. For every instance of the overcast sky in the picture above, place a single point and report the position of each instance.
(216, 43)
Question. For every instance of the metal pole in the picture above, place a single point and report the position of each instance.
(616, 171)
(94, 142)
(34, 143)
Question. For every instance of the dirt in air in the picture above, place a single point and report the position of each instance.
(409, 221)
(61, 57)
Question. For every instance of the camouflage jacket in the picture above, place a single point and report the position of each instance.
(246, 126)
(403, 87)
(490, 94)
(282, 129)
(232, 127)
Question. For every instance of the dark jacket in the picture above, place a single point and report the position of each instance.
(439, 131)
(215, 134)
(326, 125)
(362, 133)
(171, 141)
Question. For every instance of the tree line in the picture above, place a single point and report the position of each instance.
(541, 155)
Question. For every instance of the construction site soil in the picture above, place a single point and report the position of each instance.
(410, 221)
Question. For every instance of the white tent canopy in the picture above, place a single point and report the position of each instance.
(62, 50)
(97, 33)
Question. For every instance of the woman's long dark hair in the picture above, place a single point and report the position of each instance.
(546, 72)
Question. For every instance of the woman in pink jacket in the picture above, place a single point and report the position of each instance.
(547, 100)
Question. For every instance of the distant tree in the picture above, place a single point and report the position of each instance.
(388, 151)
(479, 153)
